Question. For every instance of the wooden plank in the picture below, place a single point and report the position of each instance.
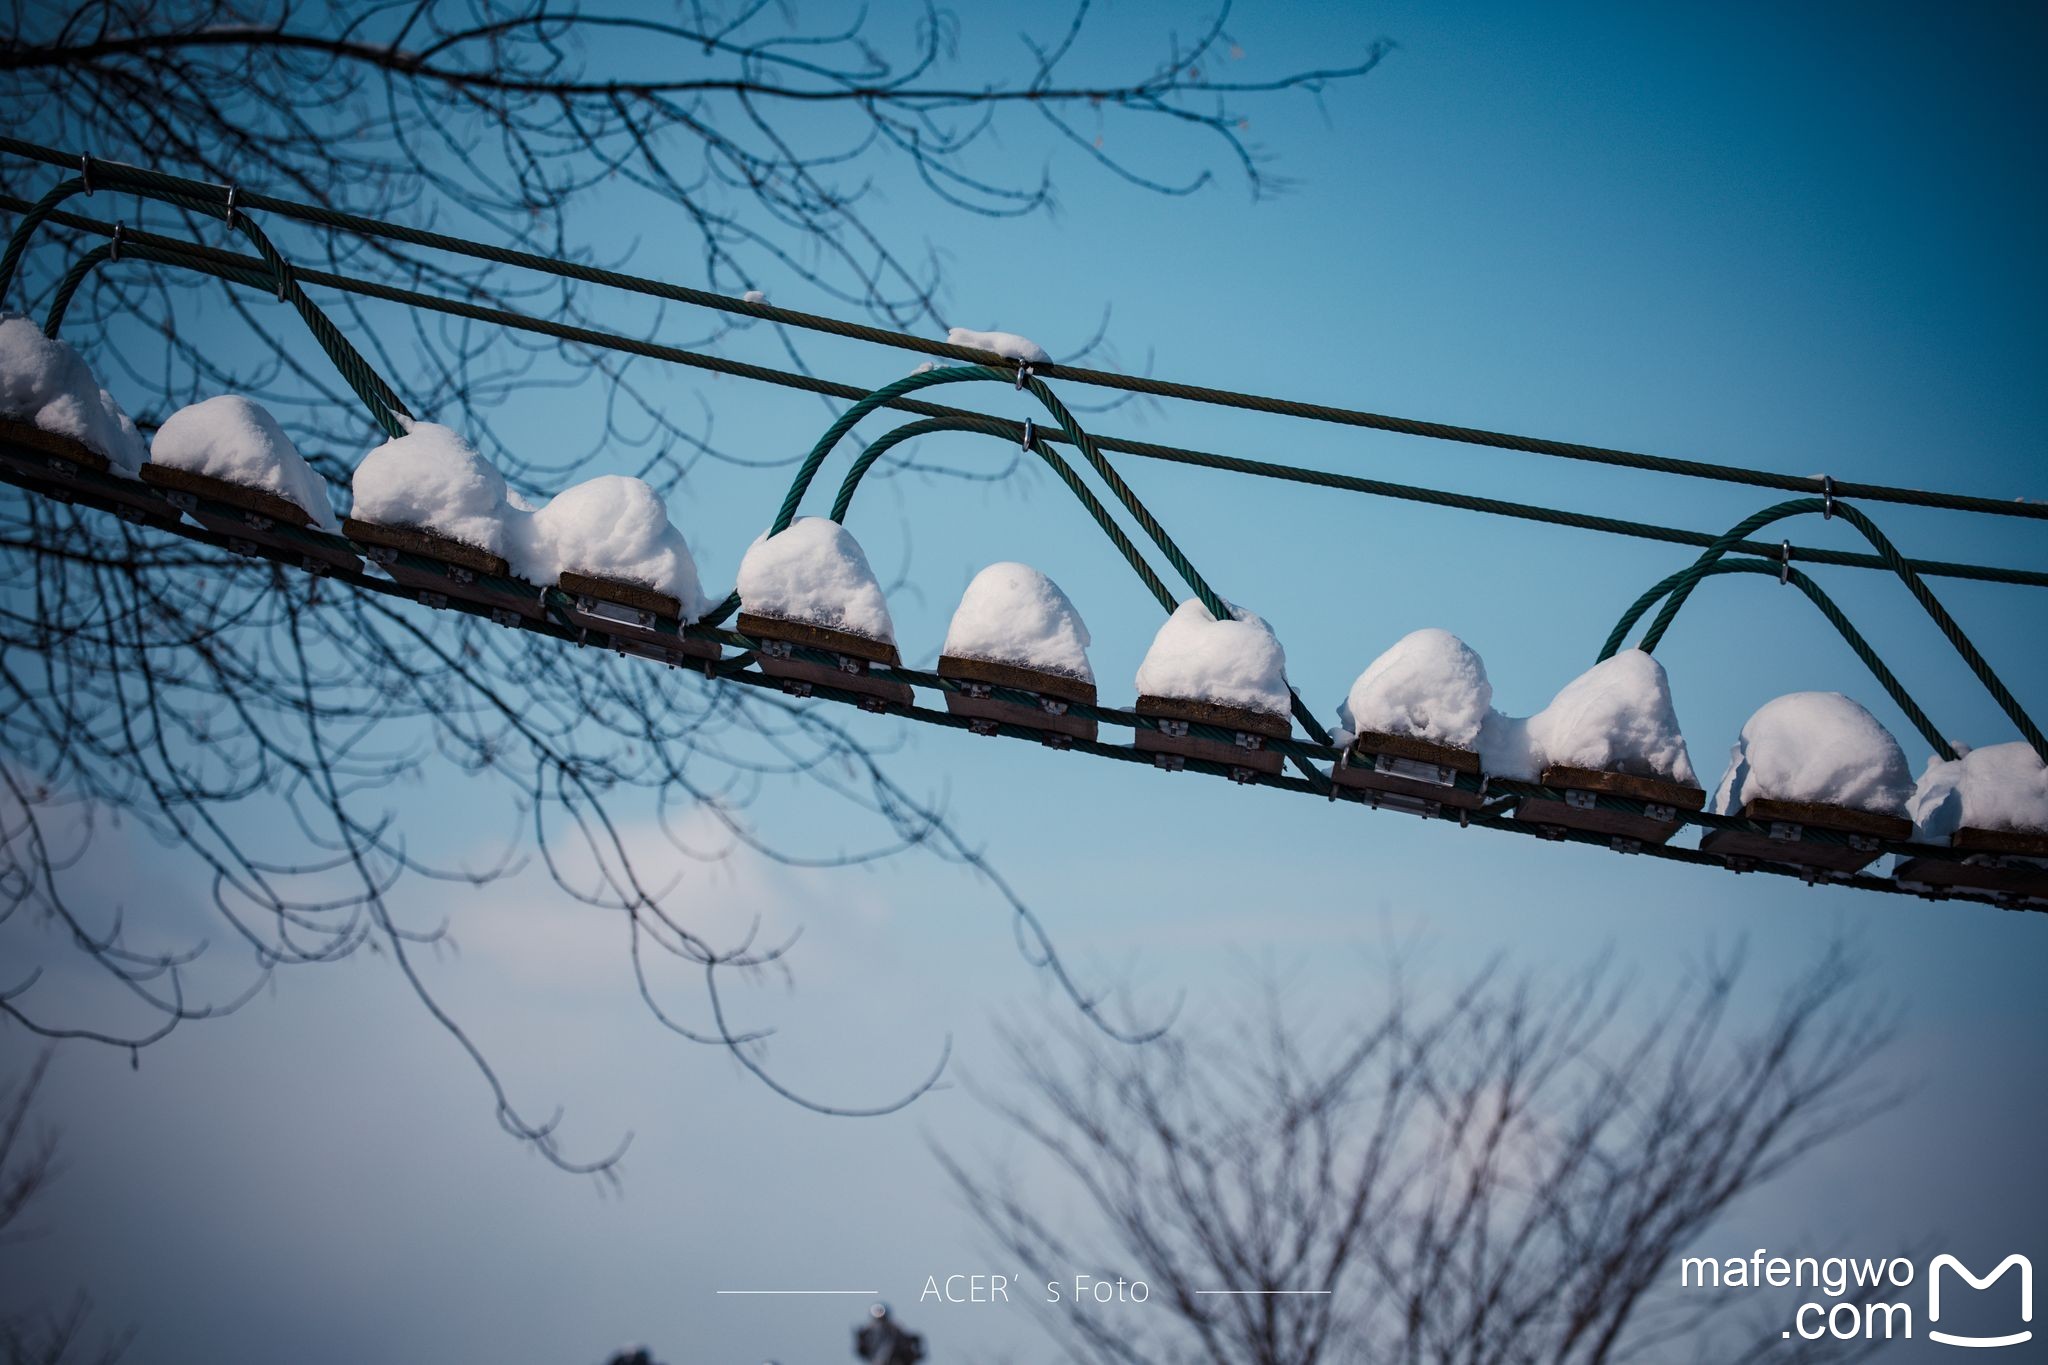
(427, 545)
(825, 675)
(1010, 713)
(1660, 790)
(1762, 848)
(1057, 685)
(817, 637)
(1421, 750)
(1245, 718)
(261, 501)
(626, 593)
(52, 443)
(1841, 819)
(2013, 842)
(2025, 879)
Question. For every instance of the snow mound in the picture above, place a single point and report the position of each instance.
(816, 573)
(236, 440)
(1998, 787)
(1238, 662)
(47, 384)
(754, 296)
(1614, 717)
(432, 479)
(1013, 614)
(612, 526)
(1431, 685)
(1008, 345)
(1816, 746)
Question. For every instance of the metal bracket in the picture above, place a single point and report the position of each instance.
(1415, 770)
(1827, 498)
(981, 726)
(1784, 562)
(1052, 706)
(1174, 729)
(1172, 763)
(430, 598)
(1243, 740)
(1787, 831)
(85, 170)
(1581, 800)
(1243, 776)
(1663, 815)
(233, 192)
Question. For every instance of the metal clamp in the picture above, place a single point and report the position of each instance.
(1023, 373)
(85, 170)
(1827, 498)
(234, 192)
(1174, 729)
(1030, 435)
(114, 243)
(1784, 562)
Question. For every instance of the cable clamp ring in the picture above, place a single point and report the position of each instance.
(85, 170)
(1784, 562)
(114, 246)
(1030, 434)
(233, 192)
(284, 280)
(1023, 373)
(1827, 498)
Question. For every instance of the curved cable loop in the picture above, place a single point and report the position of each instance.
(996, 427)
(1687, 579)
(386, 408)
(1024, 379)
(1786, 573)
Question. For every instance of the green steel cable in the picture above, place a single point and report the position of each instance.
(735, 670)
(384, 405)
(1896, 562)
(1316, 412)
(1853, 637)
(1023, 378)
(213, 260)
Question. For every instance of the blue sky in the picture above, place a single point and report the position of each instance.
(1803, 241)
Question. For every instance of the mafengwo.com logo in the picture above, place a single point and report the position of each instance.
(1868, 1300)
